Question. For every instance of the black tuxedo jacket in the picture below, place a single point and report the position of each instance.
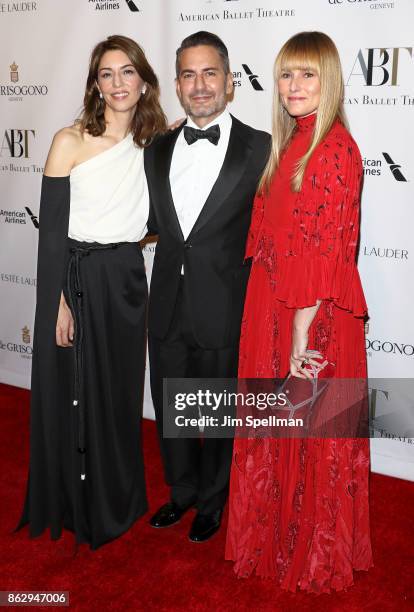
(213, 254)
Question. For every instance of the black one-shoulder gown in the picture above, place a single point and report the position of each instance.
(86, 467)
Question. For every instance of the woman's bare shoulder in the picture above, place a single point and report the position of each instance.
(64, 150)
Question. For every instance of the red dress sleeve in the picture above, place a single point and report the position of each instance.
(255, 225)
(321, 261)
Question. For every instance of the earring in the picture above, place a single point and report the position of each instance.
(144, 89)
(100, 95)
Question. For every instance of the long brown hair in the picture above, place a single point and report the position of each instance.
(315, 51)
(149, 119)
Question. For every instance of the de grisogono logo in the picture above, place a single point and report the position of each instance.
(16, 91)
(372, 4)
(386, 346)
(107, 5)
(389, 347)
(23, 346)
(253, 78)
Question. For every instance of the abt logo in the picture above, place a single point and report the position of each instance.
(16, 143)
(379, 66)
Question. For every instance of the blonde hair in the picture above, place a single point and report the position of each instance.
(317, 52)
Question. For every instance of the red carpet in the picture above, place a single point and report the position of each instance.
(161, 570)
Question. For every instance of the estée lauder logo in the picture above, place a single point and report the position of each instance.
(14, 75)
(378, 66)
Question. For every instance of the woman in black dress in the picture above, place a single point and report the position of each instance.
(86, 469)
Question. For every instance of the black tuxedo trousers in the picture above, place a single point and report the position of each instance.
(197, 472)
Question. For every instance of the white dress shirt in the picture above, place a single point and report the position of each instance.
(194, 170)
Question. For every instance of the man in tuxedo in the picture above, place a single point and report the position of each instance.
(202, 180)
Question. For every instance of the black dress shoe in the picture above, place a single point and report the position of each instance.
(204, 526)
(167, 515)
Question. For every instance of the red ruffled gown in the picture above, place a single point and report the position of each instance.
(298, 508)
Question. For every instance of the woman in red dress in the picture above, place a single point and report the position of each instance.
(299, 507)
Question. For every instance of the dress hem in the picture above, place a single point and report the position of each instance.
(33, 534)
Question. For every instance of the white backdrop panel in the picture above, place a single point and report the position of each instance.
(50, 42)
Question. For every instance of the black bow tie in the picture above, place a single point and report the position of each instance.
(192, 134)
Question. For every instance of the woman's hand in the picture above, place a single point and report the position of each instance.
(300, 354)
(65, 326)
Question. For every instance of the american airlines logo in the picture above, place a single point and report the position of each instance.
(132, 6)
(33, 217)
(104, 5)
(395, 168)
(253, 78)
(18, 217)
(376, 167)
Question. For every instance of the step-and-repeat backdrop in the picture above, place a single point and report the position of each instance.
(44, 51)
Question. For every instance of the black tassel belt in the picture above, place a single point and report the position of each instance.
(74, 290)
